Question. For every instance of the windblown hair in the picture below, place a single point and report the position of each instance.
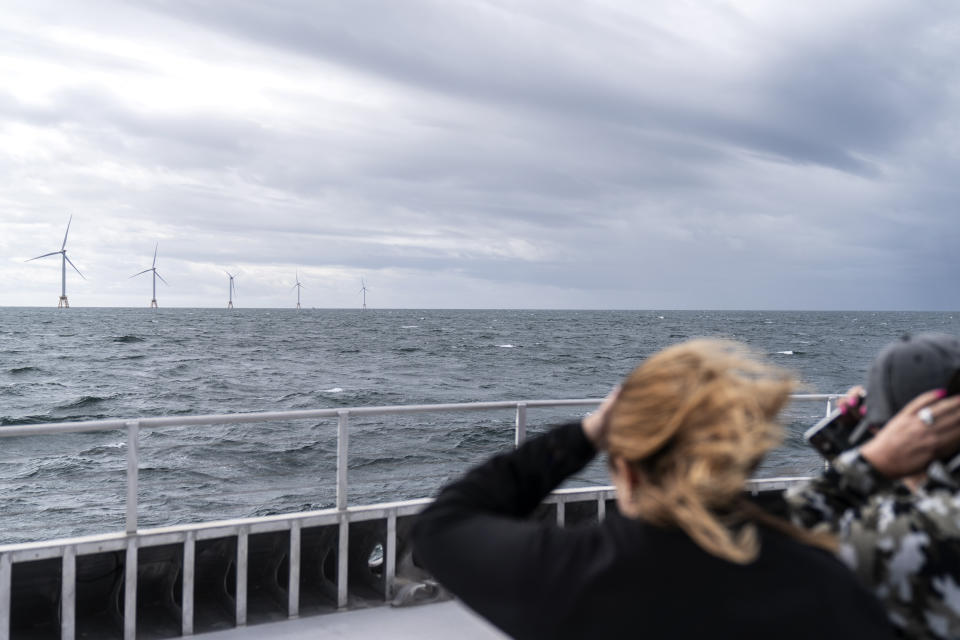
(695, 420)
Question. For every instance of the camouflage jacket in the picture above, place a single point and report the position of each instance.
(904, 545)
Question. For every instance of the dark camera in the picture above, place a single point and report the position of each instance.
(844, 429)
(953, 387)
(838, 431)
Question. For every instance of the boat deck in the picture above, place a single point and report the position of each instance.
(441, 620)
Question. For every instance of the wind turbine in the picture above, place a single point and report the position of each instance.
(153, 301)
(232, 288)
(363, 290)
(63, 304)
(298, 286)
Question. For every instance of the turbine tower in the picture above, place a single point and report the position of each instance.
(63, 304)
(232, 288)
(363, 290)
(298, 286)
(153, 301)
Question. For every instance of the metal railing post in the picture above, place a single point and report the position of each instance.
(6, 571)
(133, 465)
(293, 571)
(390, 556)
(187, 583)
(826, 463)
(68, 593)
(130, 590)
(343, 436)
(243, 553)
(343, 561)
(521, 431)
(343, 541)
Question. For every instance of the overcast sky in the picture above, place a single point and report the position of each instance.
(502, 153)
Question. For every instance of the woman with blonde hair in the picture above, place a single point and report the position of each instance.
(683, 555)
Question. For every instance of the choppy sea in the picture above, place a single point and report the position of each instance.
(86, 364)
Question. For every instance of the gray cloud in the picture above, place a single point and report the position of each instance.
(570, 155)
(821, 101)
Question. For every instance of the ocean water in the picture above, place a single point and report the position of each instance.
(85, 364)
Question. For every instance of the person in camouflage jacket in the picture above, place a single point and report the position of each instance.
(893, 505)
(904, 544)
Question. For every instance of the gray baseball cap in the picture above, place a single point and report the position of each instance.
(907, 368)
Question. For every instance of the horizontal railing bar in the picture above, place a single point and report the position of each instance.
(816, 396)
(760, 482)
(306, 414)
(181, 529)
(272, 416)
(86, 545)
(576, 491)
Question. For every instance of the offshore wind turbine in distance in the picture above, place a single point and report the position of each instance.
(298, 286)
(232, 289)
(153, 301)
(63, 304)
(363, 290)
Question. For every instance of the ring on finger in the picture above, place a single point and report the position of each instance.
(926, 416)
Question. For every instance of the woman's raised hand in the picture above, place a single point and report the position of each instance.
(926, 429)
(596, 424)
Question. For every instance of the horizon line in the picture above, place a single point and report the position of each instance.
(387, 308)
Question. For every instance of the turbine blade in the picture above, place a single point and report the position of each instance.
(141, 273)
(65, 235)
(73, 265)
(155, 254)
(161, 277)
(52, 253)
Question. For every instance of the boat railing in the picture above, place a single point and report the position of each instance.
(338, 518)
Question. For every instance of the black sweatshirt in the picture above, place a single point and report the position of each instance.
(623, 576)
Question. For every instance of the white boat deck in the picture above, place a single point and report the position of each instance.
(442, 620)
